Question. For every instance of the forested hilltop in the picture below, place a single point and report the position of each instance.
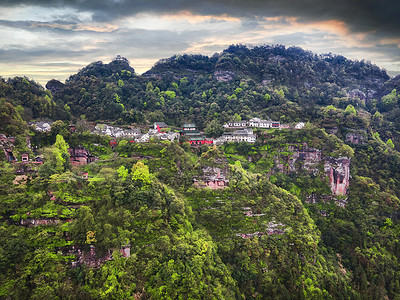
(304, 212)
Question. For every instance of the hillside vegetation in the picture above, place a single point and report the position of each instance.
(141, 221)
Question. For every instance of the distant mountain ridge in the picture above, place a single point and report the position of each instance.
(277, 65)
(269, 82)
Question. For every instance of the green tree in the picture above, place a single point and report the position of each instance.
(62, 147)
(84, 224)
(140, 173)
(122, 172)
(59, 127)
(237, 118)
(350, 109)
(389, 143)
(56, 158)
(390, 100)
(214, 129)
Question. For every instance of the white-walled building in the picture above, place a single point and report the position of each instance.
(254, 122)
(243, 135)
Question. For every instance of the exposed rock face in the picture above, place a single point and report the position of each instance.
(307, 159)
(358, 137)
(54, 86)
(224, 75)
(356, 93)
(273, 228)
(92, 259)
(338, 171)
(80, 156)
(39, 222)
(213, 177)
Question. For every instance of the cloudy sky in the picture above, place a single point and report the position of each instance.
(45, 39)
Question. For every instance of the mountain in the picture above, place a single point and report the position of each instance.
(286, 84)
(306, 213)
(277, 65)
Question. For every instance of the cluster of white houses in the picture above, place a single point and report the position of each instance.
(241, 135)
(117, 132)
(244, 132)
(255, 123)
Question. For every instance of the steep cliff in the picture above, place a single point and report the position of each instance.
(309, 159)
(338, 171)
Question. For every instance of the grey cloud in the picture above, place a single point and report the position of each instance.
(382, 17)
(361, 16)
(54, 26)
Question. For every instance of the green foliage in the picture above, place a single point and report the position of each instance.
(350, 109)
(389, 101)
(237, 118)
(11, 121)
(214, 129)
(389, 143)
(274, 231)
(140, 173)
(122, 172)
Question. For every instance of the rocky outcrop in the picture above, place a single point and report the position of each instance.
(54, 86)
(213, 177)
(356, 94)
(224, 75)
(300, 159)
(309, 159)
(357, 137)
(273, 228)
(338, 171)
(92, 259)
(40, 222)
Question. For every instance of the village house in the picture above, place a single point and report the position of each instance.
(275, 124)
(199, 140)
(25, 157)
(236, 124)
(41, 126)
(258, 123)
(104, 129)
(242, 135)
(159, 126)
(144, 138)
(194, 137)
(188, 127)
(254, 122)
(170, 136)
(136, 132)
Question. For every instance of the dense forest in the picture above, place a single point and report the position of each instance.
(311, 213)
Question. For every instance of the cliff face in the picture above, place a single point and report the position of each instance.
(299, 159)
(338, 171)
(358, 137)
(213, 177)
(224, 75)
